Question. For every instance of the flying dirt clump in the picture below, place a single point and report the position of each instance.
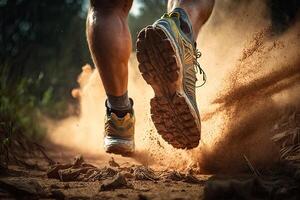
(259, 91)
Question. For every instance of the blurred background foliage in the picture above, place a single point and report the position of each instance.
(148, 12)
(43, 47)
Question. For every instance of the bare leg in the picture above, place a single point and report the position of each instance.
(110, 42)
(198, 11)
(110, 46)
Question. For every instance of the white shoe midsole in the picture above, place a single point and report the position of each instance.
(122, 143)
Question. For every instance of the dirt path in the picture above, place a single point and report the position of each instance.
(50, 188)
(80, 180)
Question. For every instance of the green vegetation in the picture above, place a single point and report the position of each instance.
(42, 48)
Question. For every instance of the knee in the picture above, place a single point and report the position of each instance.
(109, 6)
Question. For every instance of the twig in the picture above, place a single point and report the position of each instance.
(41, 149)
(254, 171)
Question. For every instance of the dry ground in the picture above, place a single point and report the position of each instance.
(78, 179)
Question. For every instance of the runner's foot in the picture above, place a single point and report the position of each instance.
(167, 57)
(119, 133)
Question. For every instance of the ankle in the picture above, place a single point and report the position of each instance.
(198, 12)
(120, 105)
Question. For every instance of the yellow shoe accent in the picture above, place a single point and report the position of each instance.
(119, 134)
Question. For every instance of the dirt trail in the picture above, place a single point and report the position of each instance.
(77, 179)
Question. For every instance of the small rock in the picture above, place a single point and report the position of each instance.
(108, 172)
(113, 163)
(127, 175)
(69, 174)
(53, 171)
(189, 178)
(174, 175)
(117, 182)
(144, 173)
(78, 161)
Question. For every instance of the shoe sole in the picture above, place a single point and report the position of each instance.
(121, 147)
(119, 151)
(171, 111)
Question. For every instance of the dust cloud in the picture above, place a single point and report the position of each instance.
(253, 77)
(85, 132)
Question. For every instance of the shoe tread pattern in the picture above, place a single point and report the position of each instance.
(170, 111)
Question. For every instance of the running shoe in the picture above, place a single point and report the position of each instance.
(119, 133)
(167, 56)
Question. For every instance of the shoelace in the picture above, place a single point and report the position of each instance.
(198, 68)
(198, 54)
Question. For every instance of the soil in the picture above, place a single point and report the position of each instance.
(80, 180)
(116, 179)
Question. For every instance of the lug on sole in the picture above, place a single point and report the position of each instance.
(170, 111)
